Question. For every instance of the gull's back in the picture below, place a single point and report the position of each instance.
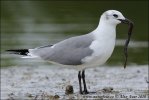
(68, 52)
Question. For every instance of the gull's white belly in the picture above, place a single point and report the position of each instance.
(101, 52)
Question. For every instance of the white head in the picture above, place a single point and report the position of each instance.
(113, 17)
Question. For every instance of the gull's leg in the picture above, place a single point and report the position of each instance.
(84, 83)
(79, 78)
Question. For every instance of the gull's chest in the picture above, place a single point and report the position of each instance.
(102, 49)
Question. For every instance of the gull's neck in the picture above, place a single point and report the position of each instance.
(105, 30)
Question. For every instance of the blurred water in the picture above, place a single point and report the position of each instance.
(29, 24)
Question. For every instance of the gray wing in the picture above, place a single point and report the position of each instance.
(68, 52)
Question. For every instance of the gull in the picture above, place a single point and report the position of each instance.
(84, 51)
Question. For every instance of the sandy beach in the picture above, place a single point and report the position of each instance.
(50, 82)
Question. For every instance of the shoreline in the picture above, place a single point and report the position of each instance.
(50, 82)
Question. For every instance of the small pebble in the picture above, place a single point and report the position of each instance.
(47, 77)
(69, 89)
(56, 96)
(138, 71)
(107, 89)
(29, 95)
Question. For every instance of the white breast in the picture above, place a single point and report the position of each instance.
(102, 47)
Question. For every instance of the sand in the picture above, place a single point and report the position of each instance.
(49, 82)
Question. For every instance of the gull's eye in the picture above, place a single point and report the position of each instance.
(115, 15)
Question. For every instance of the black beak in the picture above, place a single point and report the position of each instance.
(125, 21)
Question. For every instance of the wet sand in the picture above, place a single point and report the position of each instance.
(50, 82)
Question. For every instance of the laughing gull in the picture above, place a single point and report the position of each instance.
(81, 52)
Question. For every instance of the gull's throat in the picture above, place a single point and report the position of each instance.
(105, 31)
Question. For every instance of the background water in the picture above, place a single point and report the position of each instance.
(29, 24)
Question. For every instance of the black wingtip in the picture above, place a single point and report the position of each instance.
(18, 51)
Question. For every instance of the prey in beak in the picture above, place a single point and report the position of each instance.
(130, 24)
(125, 21)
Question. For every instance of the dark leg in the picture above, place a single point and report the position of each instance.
(79, 78)
(84, 83)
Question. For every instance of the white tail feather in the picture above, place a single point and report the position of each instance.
(31, 55)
